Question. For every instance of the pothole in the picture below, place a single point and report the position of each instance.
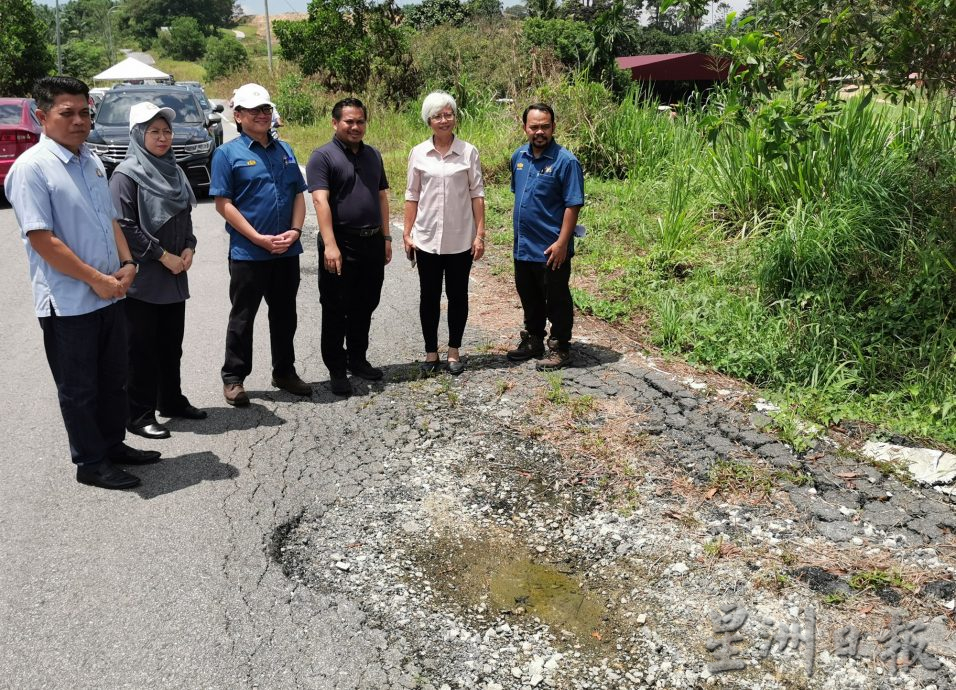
(492, 573)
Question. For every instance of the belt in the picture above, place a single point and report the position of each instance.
(364, 231)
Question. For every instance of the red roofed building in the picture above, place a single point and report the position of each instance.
(674, 76)
(675, 67)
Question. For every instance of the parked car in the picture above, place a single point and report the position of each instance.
(192, 143)
(212, 110)
(19, 130)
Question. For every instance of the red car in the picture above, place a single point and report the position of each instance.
(19, 130)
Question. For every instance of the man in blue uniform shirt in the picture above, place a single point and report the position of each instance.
(548, 185)
(80, 267)
(258, 188)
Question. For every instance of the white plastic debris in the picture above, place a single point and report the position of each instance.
(927, 465)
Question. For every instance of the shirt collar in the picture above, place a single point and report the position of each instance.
(345, 148)
(249, 141)
(550, 152)
(63, 153)
(457, 146)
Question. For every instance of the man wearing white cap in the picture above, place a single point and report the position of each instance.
(80, 268)
(258, 188)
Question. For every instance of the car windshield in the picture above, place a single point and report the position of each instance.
(115, 108)
(11, 113)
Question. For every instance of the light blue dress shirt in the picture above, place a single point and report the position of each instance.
(51, 188)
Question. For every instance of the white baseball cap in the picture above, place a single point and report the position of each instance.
(141, 113)
(251, 96)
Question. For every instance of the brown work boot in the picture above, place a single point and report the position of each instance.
(558, 358)
(292, 384)
(235, 394)
(530, 346)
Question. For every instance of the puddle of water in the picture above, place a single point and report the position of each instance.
(497, 573)
(552, 596)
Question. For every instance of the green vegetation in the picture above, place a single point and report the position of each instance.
(880, 579)
(22, 39)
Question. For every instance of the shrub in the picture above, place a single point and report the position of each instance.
(224, 56)
(184, 40)
(295, 101)
(570, 41)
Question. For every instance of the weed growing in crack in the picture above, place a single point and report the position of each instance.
(795, 432)
(735, 477)
(880, 579)
(556, 393)
(581, 406)
(835, 599)
(502, 386)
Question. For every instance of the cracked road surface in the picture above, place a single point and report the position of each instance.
(171, 584)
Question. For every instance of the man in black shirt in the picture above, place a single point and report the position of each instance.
(347, 181)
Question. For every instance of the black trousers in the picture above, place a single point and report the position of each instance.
(155, 352)
(454, 269)
(545, 296)
(348, 300)
(277, 281)
(87, 356)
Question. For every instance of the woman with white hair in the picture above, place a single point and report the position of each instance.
(444, 225)
(155, 202)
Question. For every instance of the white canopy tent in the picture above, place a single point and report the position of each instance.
(131, 69)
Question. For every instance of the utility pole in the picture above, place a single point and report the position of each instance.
(59, 48)
(268, 36)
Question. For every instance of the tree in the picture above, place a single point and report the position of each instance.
(331, 42)
(26, 57)
(875, 40)
(486, 10)
(184, 40)
(145, 17)
(224, 56)
(542, 9)
(84, 59)
(432, 13)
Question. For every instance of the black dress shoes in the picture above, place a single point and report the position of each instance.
(150, 430)
(124, 455)
(429, 368)
(188, 412)
(341, 385)
(366, 371)
(105, 476)
(455, 367)
(292, 384)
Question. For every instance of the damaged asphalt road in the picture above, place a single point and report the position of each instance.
(448, 532)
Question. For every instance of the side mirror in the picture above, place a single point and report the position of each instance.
(217, 108)
(214, 119)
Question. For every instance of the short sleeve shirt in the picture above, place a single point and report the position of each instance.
(262, 182)
(443, 186)
(52, 188)
(354, 181)
(543, 187)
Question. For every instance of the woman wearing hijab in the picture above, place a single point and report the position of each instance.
(155, 203)
(444, 225)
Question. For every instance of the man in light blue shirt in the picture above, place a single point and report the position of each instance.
(80, 267)
(548, 185)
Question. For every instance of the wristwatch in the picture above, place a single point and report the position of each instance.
(130, 262)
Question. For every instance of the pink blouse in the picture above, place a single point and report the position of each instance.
(444, 186)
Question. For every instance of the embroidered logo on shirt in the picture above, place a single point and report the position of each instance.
(520, 166)
(548, 169)
(250, 162)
